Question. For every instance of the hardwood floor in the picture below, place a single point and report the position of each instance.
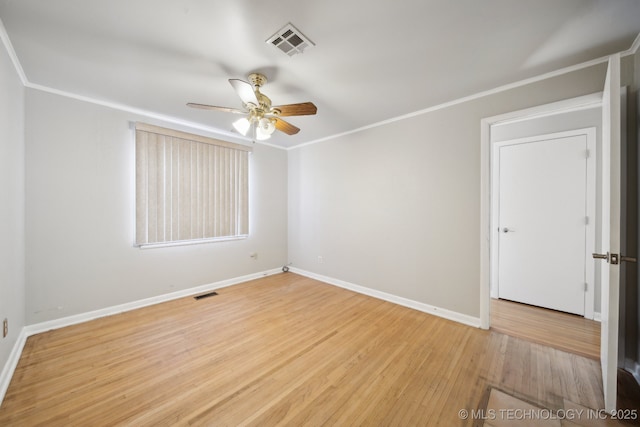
(283, 350)
(564, 331)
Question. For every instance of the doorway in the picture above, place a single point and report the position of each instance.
(610, 202)
(543, 222)
(501, 128)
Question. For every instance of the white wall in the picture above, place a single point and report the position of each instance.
(396, 208)
(80, 215)
(12, 169)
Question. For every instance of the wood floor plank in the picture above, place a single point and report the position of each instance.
(564, 331)
(282, 350)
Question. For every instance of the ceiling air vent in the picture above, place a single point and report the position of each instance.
(290, 40)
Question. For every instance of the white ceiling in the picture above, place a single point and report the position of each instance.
(373, 60)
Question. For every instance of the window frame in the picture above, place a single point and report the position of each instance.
(224, 217)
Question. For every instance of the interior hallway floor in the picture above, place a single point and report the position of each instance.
(564, 331)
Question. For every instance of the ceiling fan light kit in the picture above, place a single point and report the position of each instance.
(262, 119)
(242, 125)
(261, 128)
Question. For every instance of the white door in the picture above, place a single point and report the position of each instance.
(610, 279)
(543, 221)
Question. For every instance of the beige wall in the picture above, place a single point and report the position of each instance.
(396, 208)
(12, 169)
(80, 218)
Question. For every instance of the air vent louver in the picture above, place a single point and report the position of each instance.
(207, 295)
(290, 40)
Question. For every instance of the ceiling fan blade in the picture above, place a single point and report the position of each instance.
(286, 127)
(300, 109)
(244, 91)
(213, 107)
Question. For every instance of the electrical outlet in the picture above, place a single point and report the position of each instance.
(320, 260)
(5, 328)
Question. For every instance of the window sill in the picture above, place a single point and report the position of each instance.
(189, 242)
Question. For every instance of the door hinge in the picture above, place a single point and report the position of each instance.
(586, 287)
(587, 154)
(586, 220)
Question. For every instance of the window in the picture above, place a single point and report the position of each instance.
(189, 188)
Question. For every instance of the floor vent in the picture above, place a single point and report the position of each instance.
(210, 294)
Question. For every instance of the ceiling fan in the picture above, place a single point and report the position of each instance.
(262, 119)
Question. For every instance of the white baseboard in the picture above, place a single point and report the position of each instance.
(29, 330)
(12, 363)
(597, 316)
(426, 308)
(108, 311)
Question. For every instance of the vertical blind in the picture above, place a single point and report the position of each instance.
(189, 187)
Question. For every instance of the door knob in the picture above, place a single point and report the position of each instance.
(614, 258)
(508, 230)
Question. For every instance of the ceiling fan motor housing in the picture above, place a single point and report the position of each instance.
(257, 79)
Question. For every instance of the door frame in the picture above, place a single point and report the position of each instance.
(575, 104)
(590, 209)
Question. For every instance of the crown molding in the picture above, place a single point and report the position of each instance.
(465, 99)
(137, 111)
(4, 36)
(633, 49)
(6, 41)
(149, 114)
